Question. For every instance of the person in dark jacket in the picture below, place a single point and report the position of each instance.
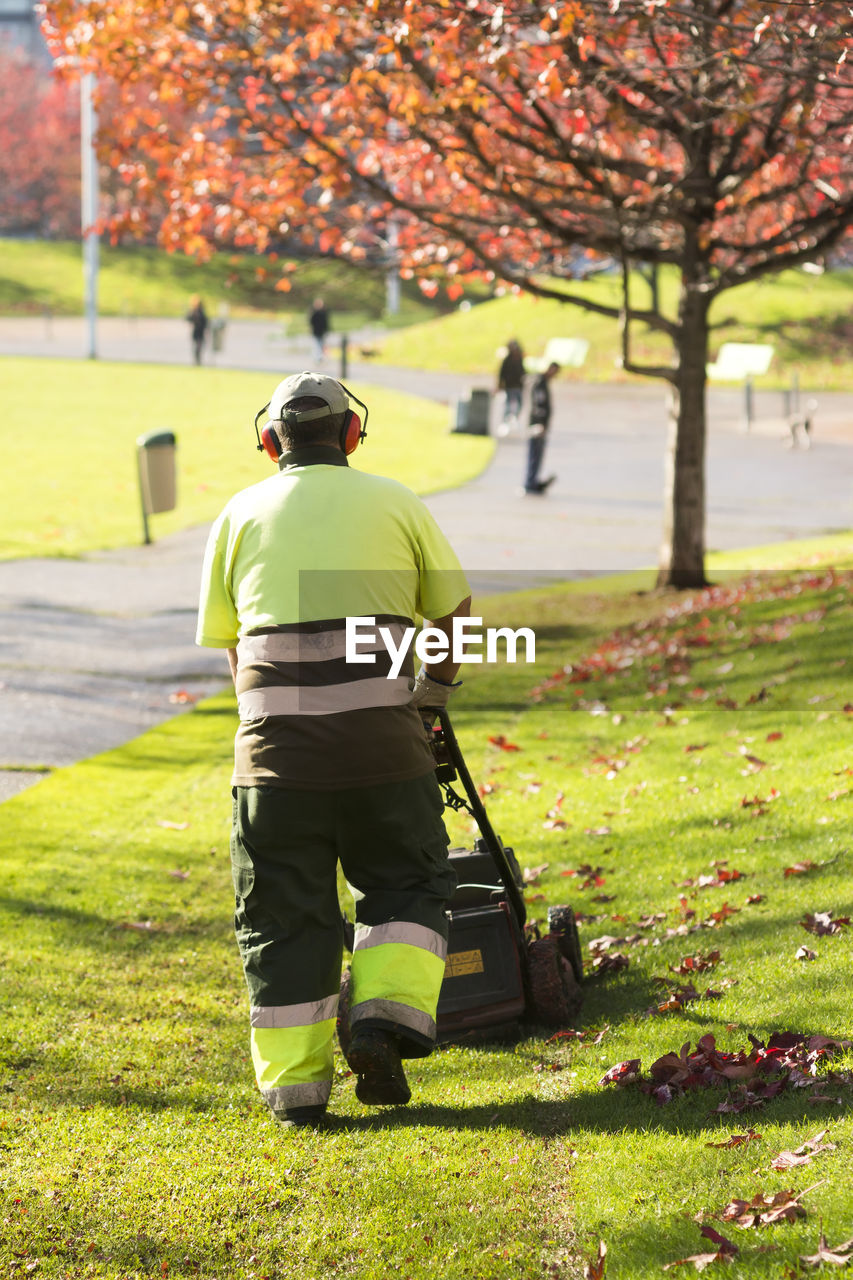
(511, 381)
(197, 319)
(540, 422)
(319, 324)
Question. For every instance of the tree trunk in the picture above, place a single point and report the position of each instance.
(682, 562)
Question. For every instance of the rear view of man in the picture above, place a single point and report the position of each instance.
(332, 761)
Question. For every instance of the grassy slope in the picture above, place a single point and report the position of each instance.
(37, 274)
(135, 1143)
(72, 427)
(807, 318)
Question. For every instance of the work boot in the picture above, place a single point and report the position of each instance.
(375, 1058)
(302, 1117)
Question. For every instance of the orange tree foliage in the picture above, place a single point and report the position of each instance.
(476, 136)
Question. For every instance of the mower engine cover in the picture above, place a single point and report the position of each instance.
(483, 981)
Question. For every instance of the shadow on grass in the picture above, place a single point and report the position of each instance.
(606, 1111)
(124, 936)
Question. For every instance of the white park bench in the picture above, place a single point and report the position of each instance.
(568, 353)
(741, 362)
(738, 361)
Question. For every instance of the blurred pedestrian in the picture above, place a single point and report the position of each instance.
(540, 422)
(511, 383)
(197, 319)
(319, 324)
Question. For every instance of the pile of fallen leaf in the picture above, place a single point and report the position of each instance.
(788, 1060)
(666, 644)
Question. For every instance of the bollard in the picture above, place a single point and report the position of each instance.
(748, 401)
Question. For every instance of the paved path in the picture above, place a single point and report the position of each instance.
(75, 681)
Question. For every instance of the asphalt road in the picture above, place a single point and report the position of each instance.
(96, 650)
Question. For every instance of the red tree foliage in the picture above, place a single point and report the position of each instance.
(39, 151)
(710, 135)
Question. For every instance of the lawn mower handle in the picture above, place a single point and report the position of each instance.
(487, 831)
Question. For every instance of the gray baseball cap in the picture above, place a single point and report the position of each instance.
(308, 384)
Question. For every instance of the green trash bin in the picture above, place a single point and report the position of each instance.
(155, 454)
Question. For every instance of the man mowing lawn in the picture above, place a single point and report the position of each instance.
(331, 758)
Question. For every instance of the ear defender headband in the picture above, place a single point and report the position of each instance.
(352, 432)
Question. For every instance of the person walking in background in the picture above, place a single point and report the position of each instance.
(319, 324)
(511, 383)
(540, 422)
(197, 319)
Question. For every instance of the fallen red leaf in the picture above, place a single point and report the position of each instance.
(838, 1256)
(725, 1252)
(722, 913)
(700, 1260)
(821, 923)
(696, 963)
(623, 1073)
(531, 874)
(500, 741)
(594, 1269)
(803, 1154)
(800, 868)
(711, 1233)
(609, 961)
(763, 1210)
(804, 953)
(737, 1140)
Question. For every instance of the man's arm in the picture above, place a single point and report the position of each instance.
(446, 669)
(232, 663)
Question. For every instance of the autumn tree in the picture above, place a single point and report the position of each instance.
(708, 136)
(39, 151)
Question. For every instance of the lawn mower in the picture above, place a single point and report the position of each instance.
(499, 970)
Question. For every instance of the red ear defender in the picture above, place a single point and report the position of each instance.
(271, 443)
(352, 433)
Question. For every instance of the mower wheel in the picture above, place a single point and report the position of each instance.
(344, 1003)
(555, 996)
(563, 926)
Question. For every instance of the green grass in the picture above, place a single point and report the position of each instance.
(135, 1144)
(71, 429)
(39, 275)
(807, 318)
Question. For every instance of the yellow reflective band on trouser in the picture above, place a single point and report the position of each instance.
(398, 981)
(292, 1052)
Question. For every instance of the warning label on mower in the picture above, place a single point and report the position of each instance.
(462, 962)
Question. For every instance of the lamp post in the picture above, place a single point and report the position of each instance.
(89, 208)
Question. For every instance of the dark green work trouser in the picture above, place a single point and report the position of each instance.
(285, 847)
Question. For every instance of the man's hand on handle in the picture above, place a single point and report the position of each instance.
(435, 681)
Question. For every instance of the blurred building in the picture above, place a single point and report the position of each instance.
(19, 29)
